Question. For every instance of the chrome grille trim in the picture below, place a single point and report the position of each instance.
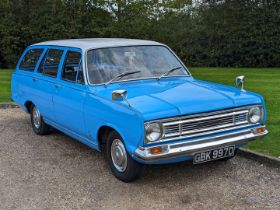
(200, 125)
(203, 133)
(205, 123)
(205, 118)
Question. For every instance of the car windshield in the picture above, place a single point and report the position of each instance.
(151, 61)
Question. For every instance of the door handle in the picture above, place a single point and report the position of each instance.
(34, 79)
(57, 86)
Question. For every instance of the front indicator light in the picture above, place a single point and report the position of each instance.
(156, 150)
(259, 130)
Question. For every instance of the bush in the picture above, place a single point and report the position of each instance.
(214, 33)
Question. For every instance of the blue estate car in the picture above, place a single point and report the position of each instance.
(137, 99)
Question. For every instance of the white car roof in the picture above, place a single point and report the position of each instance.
(93, 43)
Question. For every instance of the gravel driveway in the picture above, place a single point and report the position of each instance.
(56, 172)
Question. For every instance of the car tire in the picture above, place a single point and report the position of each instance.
(122, 165)
(37, 122)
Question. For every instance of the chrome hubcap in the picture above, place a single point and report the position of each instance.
(119, 156)
(36, 117)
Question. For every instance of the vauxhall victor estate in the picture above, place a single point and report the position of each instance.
(136, 99)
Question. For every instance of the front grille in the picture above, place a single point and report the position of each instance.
(205, 123)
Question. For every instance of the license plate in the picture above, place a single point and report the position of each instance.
(213, 154)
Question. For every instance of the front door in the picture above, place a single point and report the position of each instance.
(70, 93)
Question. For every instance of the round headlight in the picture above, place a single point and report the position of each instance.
(255, 115)
(153, 131)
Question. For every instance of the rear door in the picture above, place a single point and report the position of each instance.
(45, 81)
(69, 95)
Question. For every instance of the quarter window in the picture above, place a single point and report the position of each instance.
(72, 70)
(30, 59)
(50, 62)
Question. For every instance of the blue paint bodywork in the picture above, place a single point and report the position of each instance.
(80, 110)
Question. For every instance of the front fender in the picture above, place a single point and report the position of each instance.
(126, 121)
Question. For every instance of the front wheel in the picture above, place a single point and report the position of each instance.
(122, 165)
(37, 122)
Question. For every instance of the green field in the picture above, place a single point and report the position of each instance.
(5, 85)
(264, 81)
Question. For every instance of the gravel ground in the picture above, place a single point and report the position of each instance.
(57, 172)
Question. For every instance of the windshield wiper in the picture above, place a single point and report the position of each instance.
(118, 77)
(168, 72)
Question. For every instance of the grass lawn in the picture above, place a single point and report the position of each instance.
(264, 81)
(5, 85)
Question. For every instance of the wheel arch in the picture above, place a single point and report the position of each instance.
(103, 133)
(28, 104)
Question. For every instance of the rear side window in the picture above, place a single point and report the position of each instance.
(50, 62)
(30, 59)
(72, 70)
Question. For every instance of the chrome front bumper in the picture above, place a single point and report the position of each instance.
(188, 148)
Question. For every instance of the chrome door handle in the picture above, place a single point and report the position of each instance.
(34, 79)
(57, 86)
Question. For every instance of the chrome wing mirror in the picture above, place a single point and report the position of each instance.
(120, 94)
(239, 82)
(117, 94)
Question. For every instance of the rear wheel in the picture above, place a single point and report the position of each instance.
(37, 122)
(122, 165)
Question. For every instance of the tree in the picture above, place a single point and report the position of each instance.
(203, 32)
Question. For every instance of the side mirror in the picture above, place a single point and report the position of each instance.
(117, 94)
(239, 81)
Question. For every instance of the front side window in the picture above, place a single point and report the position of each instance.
(72, 70)
(50, 62)
(151, 61)
(30, 59)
